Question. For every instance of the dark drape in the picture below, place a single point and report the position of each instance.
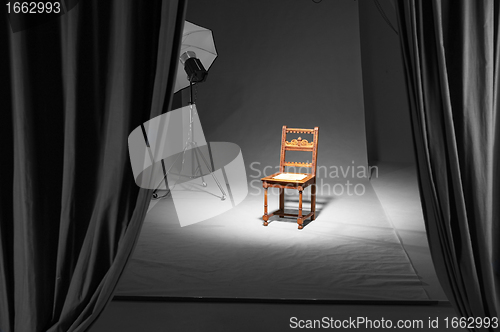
(72, 90)
(451, 50)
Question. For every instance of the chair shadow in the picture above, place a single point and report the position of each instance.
(321, 202)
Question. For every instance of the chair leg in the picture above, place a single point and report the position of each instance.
(313, 201)
(300, 221)
(265, 216)
(282, 201)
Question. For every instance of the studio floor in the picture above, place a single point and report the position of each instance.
(350, 252)
(380, 252)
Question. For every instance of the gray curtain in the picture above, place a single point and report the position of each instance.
(72, 88)
(451, 50)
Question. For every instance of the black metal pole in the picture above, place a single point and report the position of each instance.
(191, 101)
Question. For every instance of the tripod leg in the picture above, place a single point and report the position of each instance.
(193, 169)
(211, 172)
(155, 195)
(199, 167)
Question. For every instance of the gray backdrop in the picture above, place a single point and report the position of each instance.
(282, 62)
(388, 129)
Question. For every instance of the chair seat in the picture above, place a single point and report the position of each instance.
(283, 182)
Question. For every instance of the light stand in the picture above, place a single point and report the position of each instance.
(196, 73)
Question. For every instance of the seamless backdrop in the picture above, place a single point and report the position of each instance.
(294, 63)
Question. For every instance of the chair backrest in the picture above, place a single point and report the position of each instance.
(299, 144)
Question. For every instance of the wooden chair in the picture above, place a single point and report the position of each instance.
(285, 180)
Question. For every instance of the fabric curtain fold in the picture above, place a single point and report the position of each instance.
(451, 55)
(72, 91)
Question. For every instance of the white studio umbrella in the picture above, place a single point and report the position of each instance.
(200, 41)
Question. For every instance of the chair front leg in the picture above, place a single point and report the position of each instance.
(300, 221)
(265, 217)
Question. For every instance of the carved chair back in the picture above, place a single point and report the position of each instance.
(299, 144)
